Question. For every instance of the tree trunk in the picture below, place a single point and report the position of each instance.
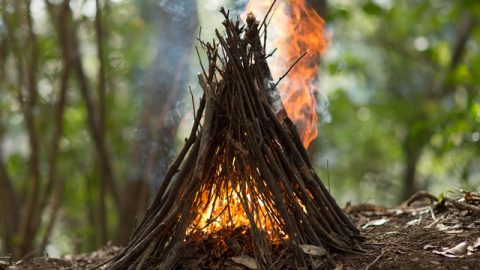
(419, 134)
(10, 207)
(409, 174)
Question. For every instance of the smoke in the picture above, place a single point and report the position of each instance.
(239, 7)
(322, 108)
(176, 114)
(178, 9)
(273, 95)
(165, 85)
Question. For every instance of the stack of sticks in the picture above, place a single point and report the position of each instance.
(242, 157)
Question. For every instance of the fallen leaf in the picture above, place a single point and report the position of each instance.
(413, 222)
(473, 247)
(376, 222)
(428, 246)
(314, 250)
(442, 227)
(245, 260)
(471, 197)
(454, 231)
(477, 243)
(457, 251)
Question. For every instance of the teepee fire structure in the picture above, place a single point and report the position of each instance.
(243, 183)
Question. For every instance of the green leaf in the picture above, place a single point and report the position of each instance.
(372, 8)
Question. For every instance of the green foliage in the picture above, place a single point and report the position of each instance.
(128, 50)
(388, 57)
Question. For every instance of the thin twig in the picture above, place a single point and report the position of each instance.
(328, 177)
(420, 195)
(271, 53)
(193, 102)
(291, 67)
(463, 206)
(375, 261)
(266, 15)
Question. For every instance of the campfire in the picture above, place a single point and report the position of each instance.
(243, 184)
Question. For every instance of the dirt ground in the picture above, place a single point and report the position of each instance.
(416, 237)
(422, 235)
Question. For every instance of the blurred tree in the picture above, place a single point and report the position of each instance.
(26, 205)
(44, 52)
(402, 80)
(176, 23)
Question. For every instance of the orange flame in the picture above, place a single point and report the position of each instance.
(221, 205)
(295, 28)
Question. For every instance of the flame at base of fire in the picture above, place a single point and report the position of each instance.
(226, 205)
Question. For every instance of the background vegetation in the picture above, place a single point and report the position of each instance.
(94, 100)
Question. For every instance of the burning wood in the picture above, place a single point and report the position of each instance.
(243, 183)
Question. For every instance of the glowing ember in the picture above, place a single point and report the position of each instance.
(221, 206)
(295, 28)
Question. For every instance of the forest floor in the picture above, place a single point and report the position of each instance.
(417, 236)
(422, 235)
